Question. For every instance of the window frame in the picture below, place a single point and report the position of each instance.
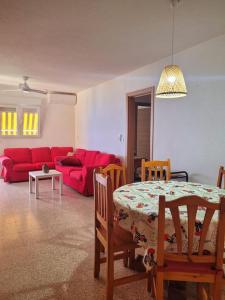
(19, 110)
(8, 107)
(31, 107)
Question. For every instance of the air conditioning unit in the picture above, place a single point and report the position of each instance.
(62, 99)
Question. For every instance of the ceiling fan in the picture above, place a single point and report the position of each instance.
(24, 87)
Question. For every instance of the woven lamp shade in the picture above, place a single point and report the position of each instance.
(171, 83)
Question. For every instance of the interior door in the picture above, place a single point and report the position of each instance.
(131, 138)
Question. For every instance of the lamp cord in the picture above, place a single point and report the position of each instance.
(172, 46)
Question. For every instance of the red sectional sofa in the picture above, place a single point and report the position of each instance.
(80, 177)
(17, 162)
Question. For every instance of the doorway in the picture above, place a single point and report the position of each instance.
(140, 126)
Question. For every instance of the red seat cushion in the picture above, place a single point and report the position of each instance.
(172, 266)
(60, 151)
(18, 155)
(42, 154)
(24, 167)
(67, 169)
(50, 164)
(77, 175)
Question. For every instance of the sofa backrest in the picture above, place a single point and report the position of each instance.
(18, 155)
(91, 157)
(105, 159)
(41, 154)
(80, 154)
(60, 151)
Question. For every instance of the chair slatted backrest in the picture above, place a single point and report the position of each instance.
(156, 170)
(103, 201)
(192, 203)
(221, 178)
(117, 174)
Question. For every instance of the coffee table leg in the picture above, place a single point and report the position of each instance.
(53, 182)
(36, 188)
(30, 184)
(60, 184)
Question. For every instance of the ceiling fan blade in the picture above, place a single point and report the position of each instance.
(37, 91)
(3, 91)
(62, 93)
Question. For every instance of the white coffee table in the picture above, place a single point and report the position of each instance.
(40, 174)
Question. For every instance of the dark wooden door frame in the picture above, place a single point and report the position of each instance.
(131, 128)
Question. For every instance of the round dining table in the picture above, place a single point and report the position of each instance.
(136, 210)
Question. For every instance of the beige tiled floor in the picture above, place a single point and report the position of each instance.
(46, 248)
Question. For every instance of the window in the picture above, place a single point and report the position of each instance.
(20, 121)
(8, 121)
(30, 122)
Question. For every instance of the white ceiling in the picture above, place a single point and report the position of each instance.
(75, 44)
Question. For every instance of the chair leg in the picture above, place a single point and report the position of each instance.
(97, 258)
(102, 249)
(131, 258)
(159, 286)
(216, 292)
(151, 284)
(125, 259)
(202, 294)
(110, 274)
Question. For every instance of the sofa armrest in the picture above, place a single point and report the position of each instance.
(7, 167)
(6, 162)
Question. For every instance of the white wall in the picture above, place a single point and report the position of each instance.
(57, 124)
(190, 130)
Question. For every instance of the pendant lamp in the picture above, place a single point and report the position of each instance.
(171, 83)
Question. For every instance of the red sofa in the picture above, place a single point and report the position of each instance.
(17, 162)
(80, 177)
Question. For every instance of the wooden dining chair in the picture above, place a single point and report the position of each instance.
(155, 170)
(116, 241)
(221, 178)
(189, 266)
(117, 174)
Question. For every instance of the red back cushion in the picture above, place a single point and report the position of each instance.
(105, 159)
(18, 155)
(60, 151)
(90, 158)
(80, 154)
(42, 154)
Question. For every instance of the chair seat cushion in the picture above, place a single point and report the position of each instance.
(122, 238)
(189, 267)
(24, 167)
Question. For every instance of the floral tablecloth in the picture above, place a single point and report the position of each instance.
(137, 209)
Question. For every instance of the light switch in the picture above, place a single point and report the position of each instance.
(121, 138)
